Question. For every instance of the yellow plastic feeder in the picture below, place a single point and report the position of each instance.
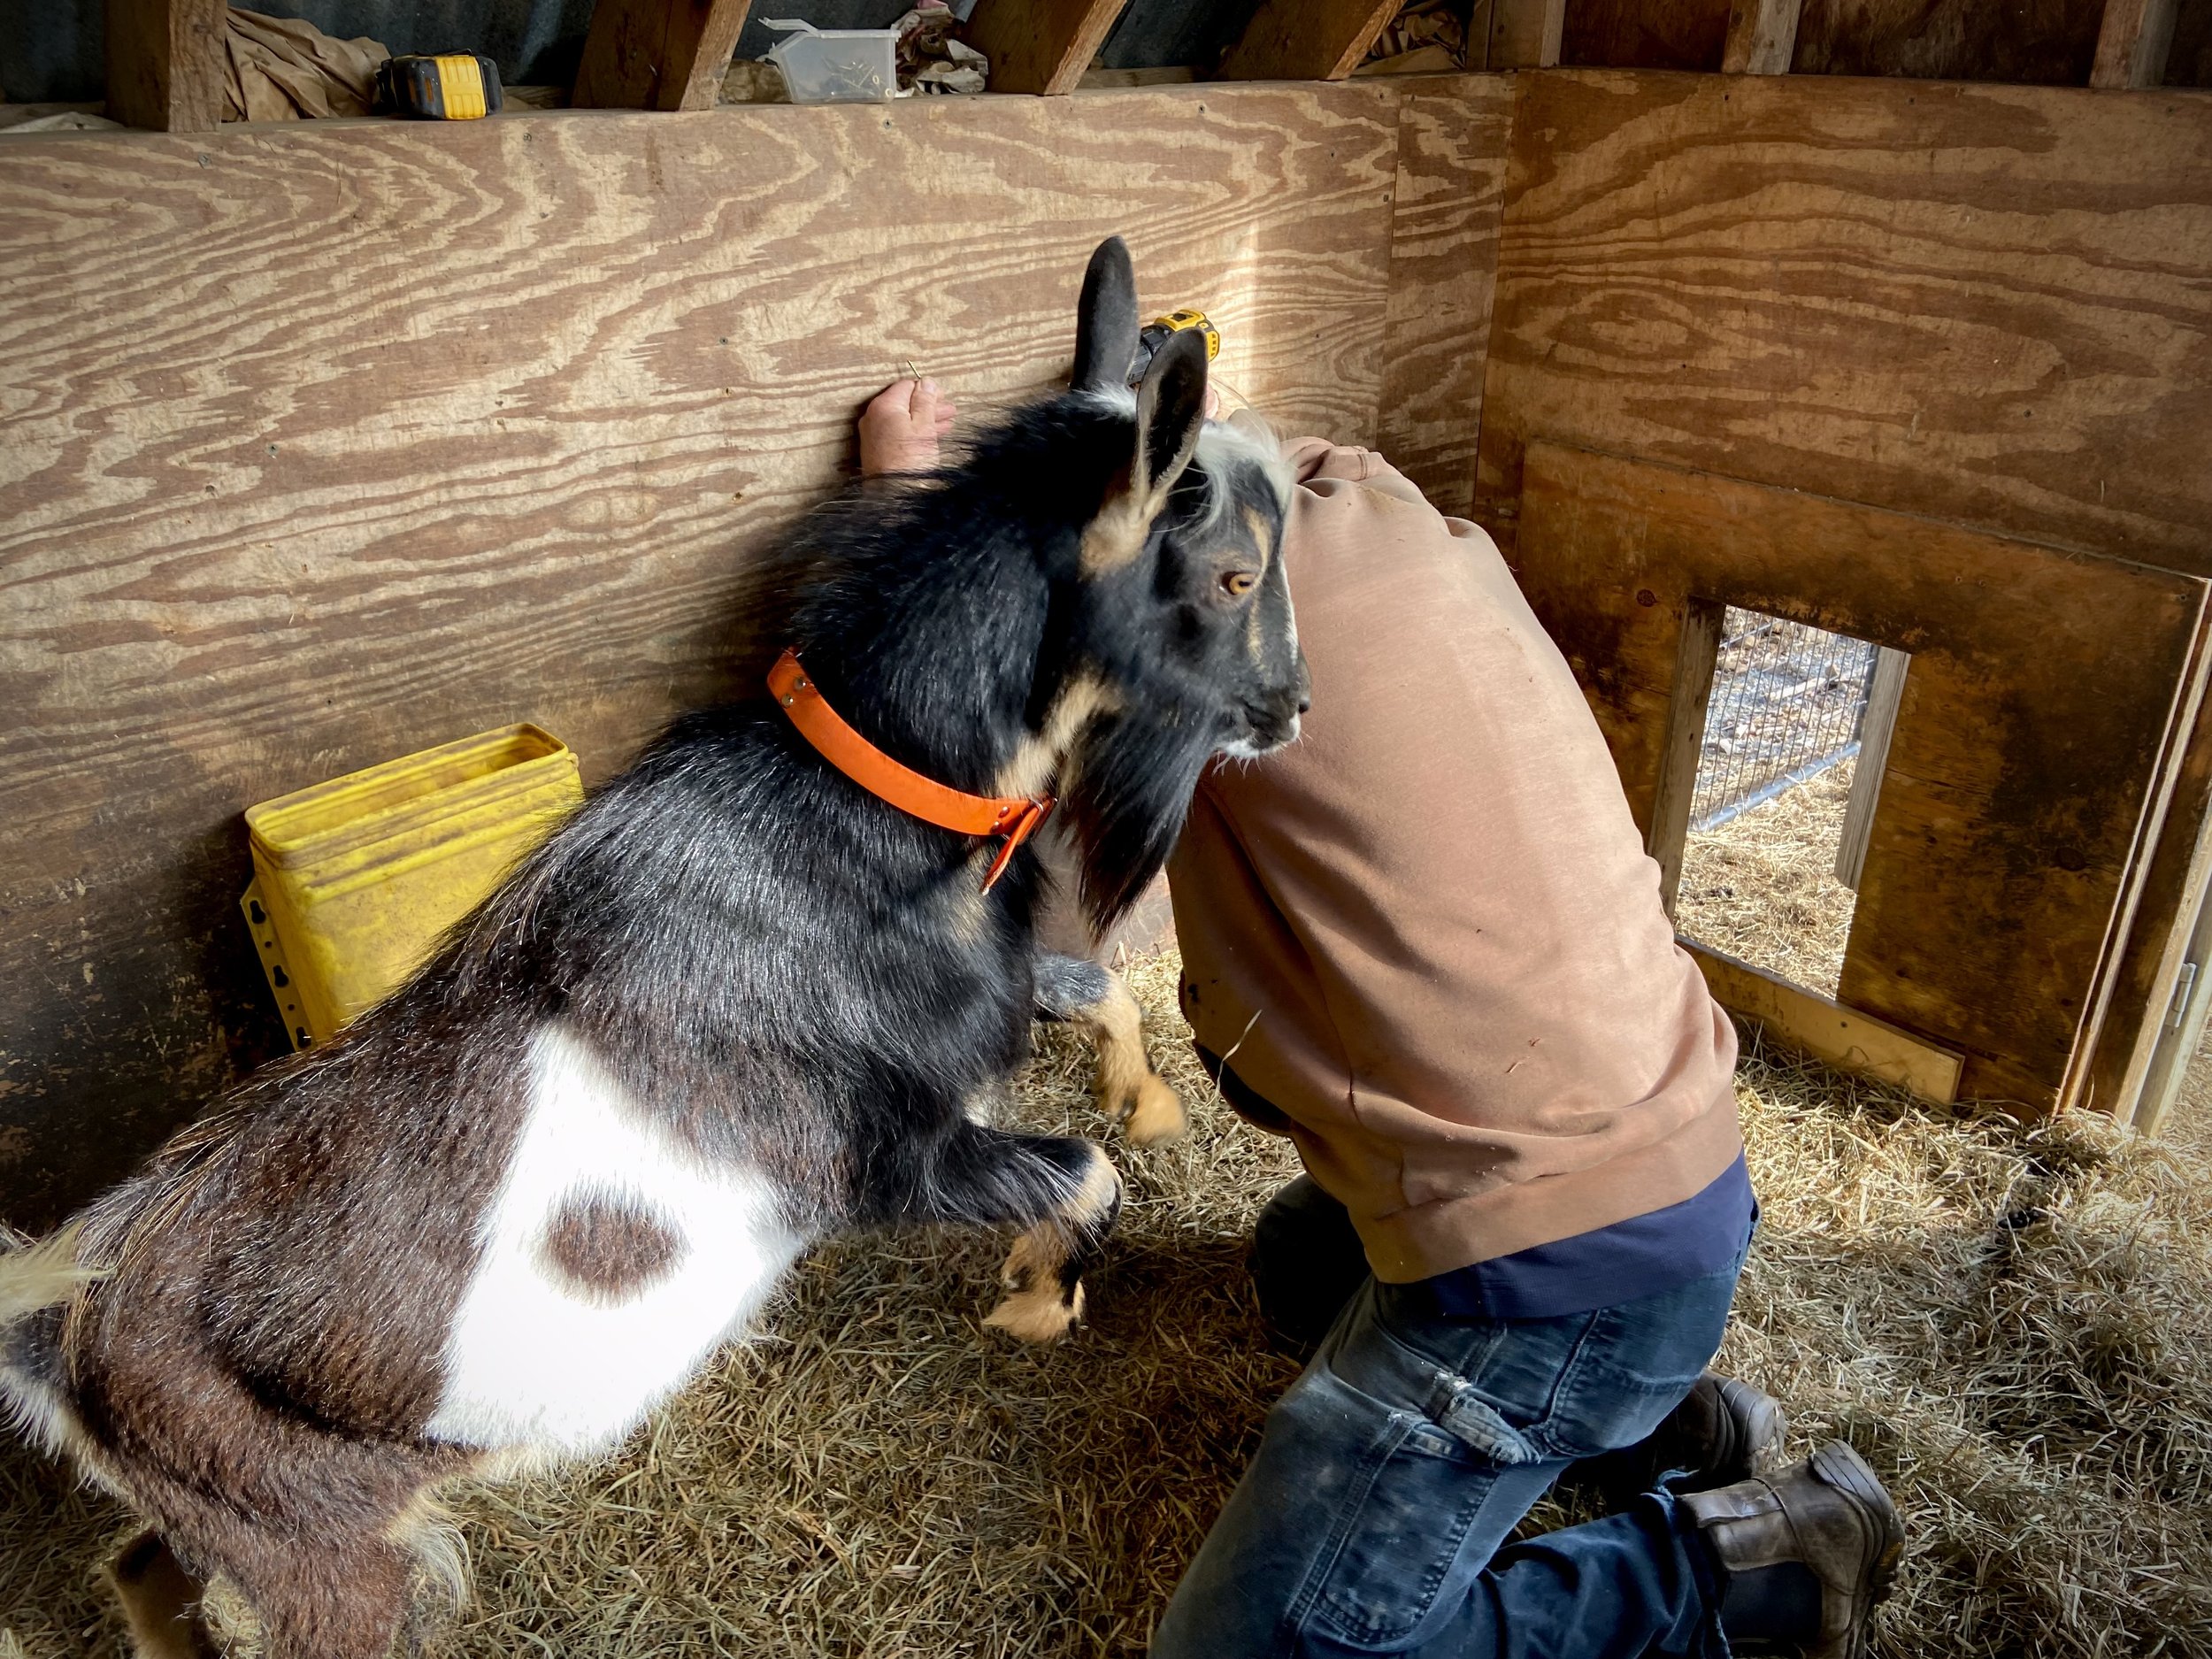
(356, 878)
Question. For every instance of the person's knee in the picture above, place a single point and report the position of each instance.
(1307, 1261)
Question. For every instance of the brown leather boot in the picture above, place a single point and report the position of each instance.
(1805, 1555)
(1725, 1432)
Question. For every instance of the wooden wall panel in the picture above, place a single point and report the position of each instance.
(2044, 43)
(1644, 33)
(1983, 303)
(1452, 134)
(328, 442)
(2036, 721)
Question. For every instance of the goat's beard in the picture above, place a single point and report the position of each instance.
(1126, 788)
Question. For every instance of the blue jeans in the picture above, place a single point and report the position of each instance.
(1369, 1521)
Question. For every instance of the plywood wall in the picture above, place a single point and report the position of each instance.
(329, 442)
(1986, 304)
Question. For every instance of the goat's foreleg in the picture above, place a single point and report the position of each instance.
(1127, 1087)
(1062, 1191)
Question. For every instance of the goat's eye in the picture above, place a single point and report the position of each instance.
(1236, 584)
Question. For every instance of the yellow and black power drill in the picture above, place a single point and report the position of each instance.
(1155, 334)
(441, 87)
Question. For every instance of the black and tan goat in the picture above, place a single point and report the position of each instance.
(735, 1005)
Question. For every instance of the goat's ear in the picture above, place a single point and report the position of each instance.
(1170, 414)
(1106, 320)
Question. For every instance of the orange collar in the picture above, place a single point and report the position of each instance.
(1014, 817)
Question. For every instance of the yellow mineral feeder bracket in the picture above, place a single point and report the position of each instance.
(355, 879)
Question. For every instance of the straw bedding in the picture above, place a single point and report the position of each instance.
(2015, 1325)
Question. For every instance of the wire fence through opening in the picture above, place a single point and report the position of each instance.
(1788, 700)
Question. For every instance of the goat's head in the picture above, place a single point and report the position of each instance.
(1176, 637)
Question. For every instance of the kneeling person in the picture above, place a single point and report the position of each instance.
(1427, 944)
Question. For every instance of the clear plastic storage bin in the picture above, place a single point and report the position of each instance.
(836, 66)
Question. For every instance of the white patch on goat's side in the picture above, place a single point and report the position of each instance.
(531, 1364)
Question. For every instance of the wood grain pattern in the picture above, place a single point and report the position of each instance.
(1761, 37)
(1696, 656)
(1452, 133)
(1041, 46)
(1306, 40)
(165, 62)
(2030, 734)
(2046, 42)
(1877, 721)
(1983, 303)
(658, 54)
(1822, 1027)
(330, 441)
(2132, 42)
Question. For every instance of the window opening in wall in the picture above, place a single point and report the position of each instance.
(1767, 874)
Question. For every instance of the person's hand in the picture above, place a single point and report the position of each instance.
(900, 427)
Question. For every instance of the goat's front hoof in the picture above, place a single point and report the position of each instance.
(1042, 1315)
(1156, 1116)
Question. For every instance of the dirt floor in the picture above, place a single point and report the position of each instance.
(1762, 886)
(2015, 1326)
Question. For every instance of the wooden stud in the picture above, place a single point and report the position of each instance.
(658, 54)
(1882, 698)
(1040, 45)
(1761, 37)
(1525, 34)
(1306, 40)
(2181, 1022)
(1843, 1037)
(165, 63)
(2173, 867)
(2133, 43)
(1694, 661)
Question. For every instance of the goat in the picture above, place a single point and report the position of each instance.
(735, 1005)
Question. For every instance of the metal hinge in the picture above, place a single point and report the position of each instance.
(2184, 983)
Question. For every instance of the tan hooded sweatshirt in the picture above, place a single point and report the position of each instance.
(1428, 932)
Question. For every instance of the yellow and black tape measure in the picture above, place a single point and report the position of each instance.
(443, 87)
(1155, 334)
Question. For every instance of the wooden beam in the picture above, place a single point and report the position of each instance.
(1306, 40)
(1761, 37)
(1525, 34)
(1693, 663)
(2181, 1023)
(165, 63)
(1875, 726)
(658, 54)
(2133, 43)
(1040, 46)
(1822, 1027)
